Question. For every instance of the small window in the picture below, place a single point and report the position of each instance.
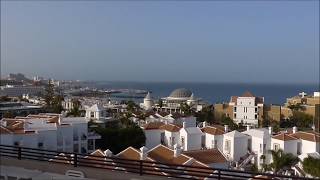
(276, 146)
(299, 148)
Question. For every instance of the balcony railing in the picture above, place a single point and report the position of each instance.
(140, 167)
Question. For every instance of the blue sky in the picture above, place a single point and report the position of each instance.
(206, 41)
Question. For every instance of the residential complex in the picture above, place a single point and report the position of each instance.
(50, 132)
(251, 110)
(238, 148)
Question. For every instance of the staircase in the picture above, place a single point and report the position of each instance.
(247, 159)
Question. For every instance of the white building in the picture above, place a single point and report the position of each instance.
(98, 114)
(259, 143)
(246, 108)
(235, 145)
(177, 97)
(214, 136)
(49, 132)
(190, 138)
(147, 102)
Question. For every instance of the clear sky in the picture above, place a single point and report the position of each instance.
(207, 41)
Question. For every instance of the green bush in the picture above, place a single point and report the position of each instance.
(311, 166)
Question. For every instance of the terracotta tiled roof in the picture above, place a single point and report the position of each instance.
(207, 156)
(129, 153)
(212, 130)
(163, 154)
(200, 172)
(308, 136)
(170, 127)
(98, 160)
(247, 94)
(234, 99)
(284, 137)
(153, 125)
(4, 130)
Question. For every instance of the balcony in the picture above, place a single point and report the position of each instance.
(93, 135)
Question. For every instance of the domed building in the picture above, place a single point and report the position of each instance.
(177, 97)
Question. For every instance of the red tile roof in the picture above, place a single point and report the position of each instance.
(284, 137)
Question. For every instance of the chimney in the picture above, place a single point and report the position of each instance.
(248, 127)
(176, 150)
(143, 153)
(204, 124)
(108, 153)
(226, 128)
(270, 130)
(184, 125)
(294, 129)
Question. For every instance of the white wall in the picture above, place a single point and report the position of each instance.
(245, 110)
(210, 141)
(308, 146)
(153, 138)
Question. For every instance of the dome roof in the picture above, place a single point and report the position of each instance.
(180, 93)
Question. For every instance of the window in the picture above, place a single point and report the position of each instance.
(235, 109)
(92, 114)
(276, 146)
(264, 148)
(162, 139)
(203, 141)
(299, 148)
(261, 148)
(256, 116)
(235, 115)
(90, 144)
(172, 141)
(256, 109)
(182, 141)
(227, 146)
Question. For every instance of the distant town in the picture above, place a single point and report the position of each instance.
(178, 132)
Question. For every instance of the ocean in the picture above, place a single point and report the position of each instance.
(217, 92)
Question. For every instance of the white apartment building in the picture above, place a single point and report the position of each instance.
(235, 145)
(259, 143)
(213, 136)
(246, 108)
(49, 132)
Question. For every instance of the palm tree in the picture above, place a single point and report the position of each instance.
(281, 160)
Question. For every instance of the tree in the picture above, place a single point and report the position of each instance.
(301, 119)
(53, 102)
(311, 166)
(186, 109)
(160, 103)
(118, 138)
(228, 121)
(49, 94)
(57, 104)
(281, 160)
(131, 106)
(206, 114)
(75, 111)
(8, 114)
